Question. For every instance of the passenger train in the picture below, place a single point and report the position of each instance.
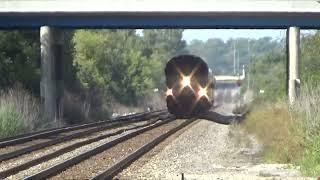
(190, 86)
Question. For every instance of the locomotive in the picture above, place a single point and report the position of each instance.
(190, 86)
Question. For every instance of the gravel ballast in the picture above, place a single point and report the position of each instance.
(100, 162)
(41, 166)
(207, 150)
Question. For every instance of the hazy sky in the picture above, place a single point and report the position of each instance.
(225, 34)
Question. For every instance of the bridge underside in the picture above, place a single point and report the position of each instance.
(205, 21)
(160, 14)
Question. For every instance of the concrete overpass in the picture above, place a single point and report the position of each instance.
(160, 14)
(53, 15)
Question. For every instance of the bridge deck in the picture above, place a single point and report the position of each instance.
(160, 14)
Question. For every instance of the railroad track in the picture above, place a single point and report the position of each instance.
(21, 145)
(31, 136)
(24, 151)
(48, 158)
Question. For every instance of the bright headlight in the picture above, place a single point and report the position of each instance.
(185, 81)
(202, 92)
(169, 92)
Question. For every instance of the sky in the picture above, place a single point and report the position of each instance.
(225, 34)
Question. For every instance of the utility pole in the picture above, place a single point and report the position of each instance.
(249, 63)
(238, 63)
(234, 57)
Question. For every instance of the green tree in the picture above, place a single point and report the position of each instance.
(219, 54)
(113, 61)
(310, 58)
(159, 45)
(269, 74)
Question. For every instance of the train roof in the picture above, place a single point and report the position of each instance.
(184, 58)
(183, 61)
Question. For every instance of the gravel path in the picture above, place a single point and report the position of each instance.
(206, 151)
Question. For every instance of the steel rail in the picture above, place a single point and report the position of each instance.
(45, 133)
(70, 162)
(35, 147)
(118, 166)
(26, 165)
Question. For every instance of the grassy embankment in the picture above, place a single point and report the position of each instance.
(290, 134)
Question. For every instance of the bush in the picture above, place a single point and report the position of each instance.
(19, 112)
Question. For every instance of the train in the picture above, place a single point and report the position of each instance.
(189, 86)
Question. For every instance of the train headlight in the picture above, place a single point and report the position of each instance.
(185, 81)
(202, 92)
(169, 92)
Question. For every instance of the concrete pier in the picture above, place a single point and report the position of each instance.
(51, 40)
(293, 45)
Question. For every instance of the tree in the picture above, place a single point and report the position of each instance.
(159, 46)
(113, 61)
(310, 55)
(269, 74)
(219, 54)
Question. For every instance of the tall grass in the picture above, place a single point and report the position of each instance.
(275, 128)
(19, 112)
(307, 109)
(289, 133)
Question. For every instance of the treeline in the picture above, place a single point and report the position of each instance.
(220, 55)
(268, 71)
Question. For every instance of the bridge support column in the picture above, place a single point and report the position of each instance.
(293, 50)
(51, 40)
